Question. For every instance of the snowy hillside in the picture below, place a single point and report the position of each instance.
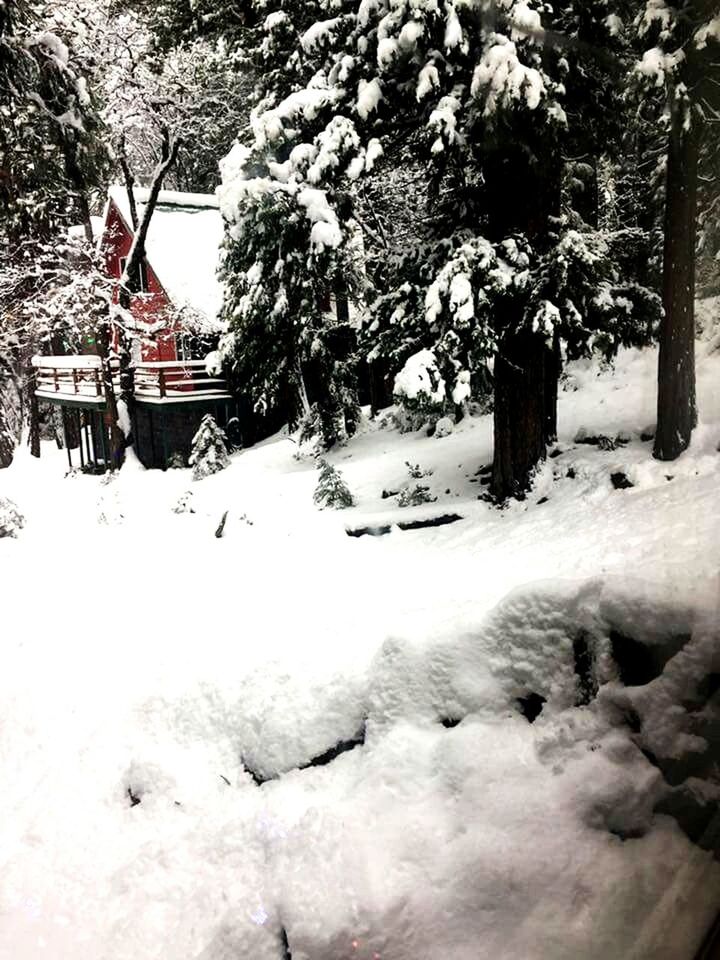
(205, 741)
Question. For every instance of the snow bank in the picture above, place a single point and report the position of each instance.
(133, 746)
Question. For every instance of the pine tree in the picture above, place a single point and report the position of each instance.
(11, 520)
(331, 490)
(52, 159)
(681, 62)
(209, 453)
(494, 102)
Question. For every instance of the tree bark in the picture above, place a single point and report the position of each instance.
(526, 371)
(520, 418)
(70, 430)
(553, 368)
(117, 439)
(33, 414)
(129, 185)
(676, 407)
(130, 281)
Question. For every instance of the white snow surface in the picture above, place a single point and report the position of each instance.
(183, 246)
(143, 656)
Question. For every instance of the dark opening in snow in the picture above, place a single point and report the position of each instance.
(587, 685)
(342, 746)
(636, 664)
(531, 706)
(382, 529)
(697, 816)
(709, 686)
(621, 481)
(639, 663)
(632, 719)
(450, 722)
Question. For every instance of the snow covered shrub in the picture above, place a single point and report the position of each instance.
(176, 461)
(420, 391)
(11, 520)
(412, 495)
(332, 491)
(209, 454)
(416, 495)
(444, 427)
(416, 471)
(184, 503)
(110, 511)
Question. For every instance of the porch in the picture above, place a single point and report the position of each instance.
(171, 397)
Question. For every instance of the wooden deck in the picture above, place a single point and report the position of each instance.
(175, 381)
(77, 381)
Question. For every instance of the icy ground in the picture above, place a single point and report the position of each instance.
(162, 693)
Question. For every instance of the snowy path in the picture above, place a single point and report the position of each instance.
(160, 672)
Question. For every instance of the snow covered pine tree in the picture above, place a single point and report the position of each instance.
(209, 454)
(331, 490)
(497, 99)
(681, 64)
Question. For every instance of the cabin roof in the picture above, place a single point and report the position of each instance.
(182, 247)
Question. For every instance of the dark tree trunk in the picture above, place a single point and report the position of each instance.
(553, 368)
(71, 436)
(379, 388)
(520, 413)
(130, 281)
(526, 371)
(33, 414)
(676, 409)
(117, 440)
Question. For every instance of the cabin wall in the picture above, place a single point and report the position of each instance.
(147, 307)
(161, 430)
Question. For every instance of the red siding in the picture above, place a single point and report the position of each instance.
(146, 307)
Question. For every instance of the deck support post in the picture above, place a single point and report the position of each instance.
(67, 442)
(80, 440)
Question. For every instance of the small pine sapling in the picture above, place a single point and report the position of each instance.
(416, 471)
(184, 504)
(209, 454)
(332, 491)
(11, 520)
(413, 496)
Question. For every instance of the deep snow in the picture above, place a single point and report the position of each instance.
(144, 659)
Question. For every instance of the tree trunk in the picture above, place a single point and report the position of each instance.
(117, 439)
(520, 413)
(130, 281)
(33, 414)
(676, 409)
(553, 368)
(526, 371)
(71, 436)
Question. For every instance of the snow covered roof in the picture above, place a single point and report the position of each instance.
(182, 245)
(78, 229)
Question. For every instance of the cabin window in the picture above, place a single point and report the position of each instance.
(143, 274)
(183, 346)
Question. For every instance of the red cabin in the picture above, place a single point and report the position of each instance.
(180, 289)
(178, 307)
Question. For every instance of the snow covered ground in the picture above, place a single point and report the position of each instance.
(146, 660)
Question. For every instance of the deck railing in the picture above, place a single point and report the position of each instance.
(80, 378)
(77, 378)
(176, 380)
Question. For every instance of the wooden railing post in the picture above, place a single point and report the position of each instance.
(55, 378)
(161, 381)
